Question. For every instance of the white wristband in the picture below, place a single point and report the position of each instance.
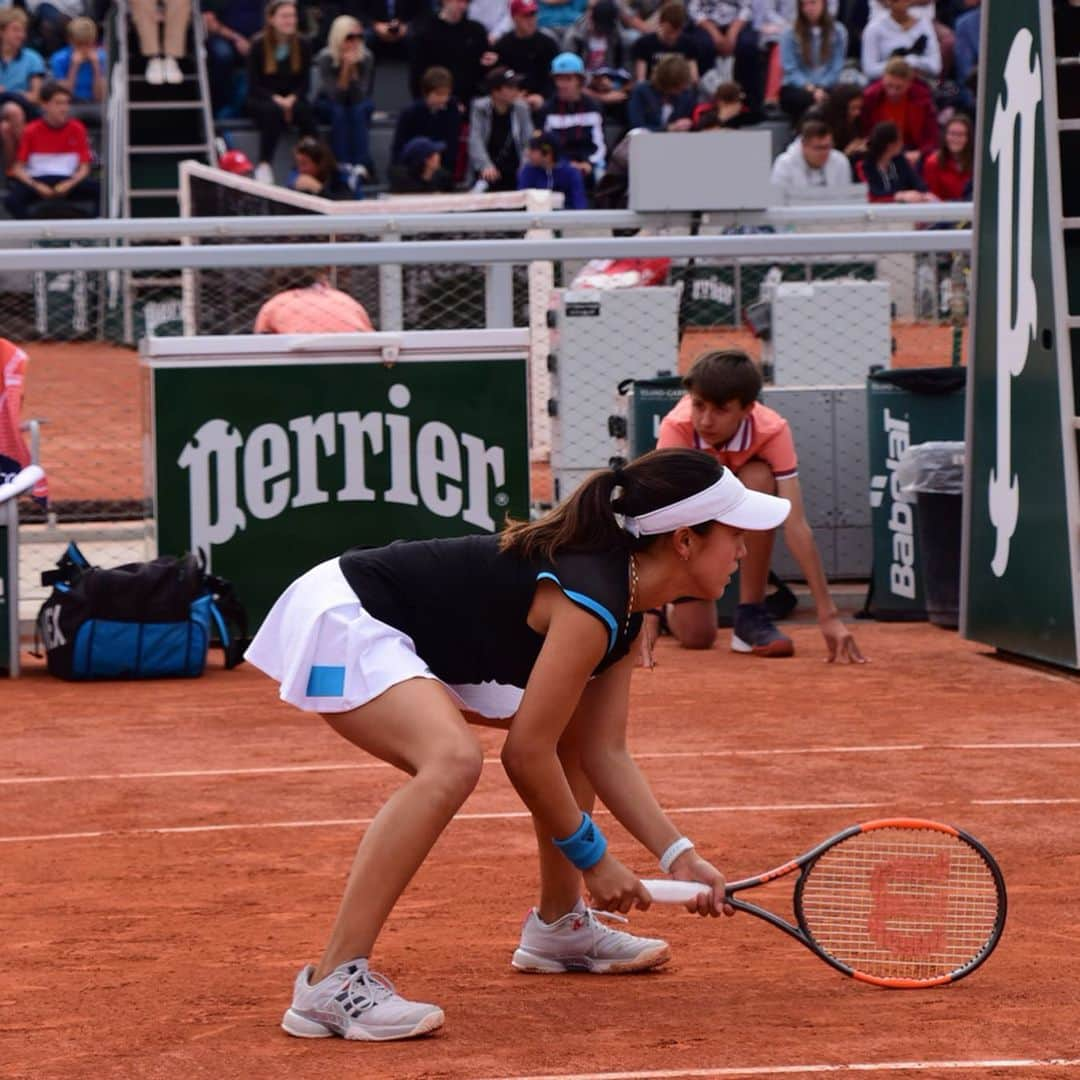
(673, 852)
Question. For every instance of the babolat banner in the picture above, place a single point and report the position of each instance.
(1020, 558)
(269, 465)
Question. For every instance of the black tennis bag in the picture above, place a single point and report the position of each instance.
(139, 621)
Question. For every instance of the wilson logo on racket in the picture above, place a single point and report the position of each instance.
(901, 903)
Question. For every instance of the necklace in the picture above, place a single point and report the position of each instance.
(646, 648)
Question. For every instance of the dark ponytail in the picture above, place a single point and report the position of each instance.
(585, 521)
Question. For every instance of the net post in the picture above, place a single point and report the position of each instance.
(391, 308)
(541, 286)
(499, 296)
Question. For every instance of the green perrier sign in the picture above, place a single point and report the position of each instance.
(272, 468)
(1020, 559)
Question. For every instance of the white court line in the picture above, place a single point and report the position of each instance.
(499, 815)
(1024, 802)
(806, 1070)
(267, 770)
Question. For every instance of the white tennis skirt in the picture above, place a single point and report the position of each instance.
(330, 655)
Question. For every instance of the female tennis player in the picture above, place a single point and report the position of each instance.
(398, 647)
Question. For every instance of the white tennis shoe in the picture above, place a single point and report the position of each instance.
(355, 1003)
(579, 941)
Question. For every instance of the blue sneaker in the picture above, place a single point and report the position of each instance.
(755, 632)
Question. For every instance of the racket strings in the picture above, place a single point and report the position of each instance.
(901, 903)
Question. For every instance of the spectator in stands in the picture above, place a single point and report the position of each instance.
(665, 102)
(721, 414)
(573, 121)
(812, 54)
(53, 160)
(22, 71)
(812, 161)
(906, 101)
(162, 43)
(730, 26)
(542, 170)
(842, 112)
(949, 170)
(493, 15)
(317, 172)
(528, 52)
(887, 170)
(726, 111)
(81, 65)
(421, 169)
(389, 23)
(898, 33)
(278, 72)
(673, 33)
(230, 26)
(456, 42)
(236, 162)
(312, 307)
(343, 75)
(595, 37)
(557, 16)
(500, 127)
(437, 116)
(967, 29)
(49, 20)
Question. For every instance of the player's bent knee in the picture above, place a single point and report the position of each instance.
(697, 637)
(455, 770)
(758, 476)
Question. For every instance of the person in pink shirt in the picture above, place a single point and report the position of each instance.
(721, 414)
(314, 308)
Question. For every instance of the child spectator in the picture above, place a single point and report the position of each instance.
(21, 73)
(455, 42)
(727, 110)
(278, 71)
(673, 33)
(317, 172)
(528, 52)
(886, 169)
(230, 26)
(721, 414)
(541, 170)
(81, 65)
(596, 39)
(420, 170)
(162, 44)
(312, 307)
(343, 74)
(499, 130)
(812, 56)
(436, 116)
(730, 26)
(948, 171)
(573, 121)
(905, 101)
(811, 161)
(389, 23)
(666, 102)
(53, 160)
(842, 113)
(900, 34)
(49, 21)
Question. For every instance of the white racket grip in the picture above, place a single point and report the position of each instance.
(666, 891)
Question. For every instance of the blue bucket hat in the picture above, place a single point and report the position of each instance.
(568, 63)
(417, 150)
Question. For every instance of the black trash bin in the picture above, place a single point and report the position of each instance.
(934, 473)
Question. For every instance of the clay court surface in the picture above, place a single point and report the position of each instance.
(173, 852)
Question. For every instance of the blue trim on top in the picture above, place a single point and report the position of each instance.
(589, 604)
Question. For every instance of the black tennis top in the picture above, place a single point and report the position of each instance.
(464, 603)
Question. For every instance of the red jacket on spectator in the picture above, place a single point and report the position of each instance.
(945, 179)
(916, 119)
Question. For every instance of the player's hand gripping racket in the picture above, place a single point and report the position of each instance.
(898, 903)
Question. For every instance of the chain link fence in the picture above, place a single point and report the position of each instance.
(812, 320)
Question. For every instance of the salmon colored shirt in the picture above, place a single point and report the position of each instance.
(318, 309)
(764, 435)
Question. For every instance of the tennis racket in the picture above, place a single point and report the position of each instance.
(899, 903)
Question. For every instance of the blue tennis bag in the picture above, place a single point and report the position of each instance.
(139, 621)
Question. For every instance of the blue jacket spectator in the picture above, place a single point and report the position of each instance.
(572, 120)
(543, 171)
(966, 52)
(666, 102)
(437, 116)
(81, 66)
(812, 54)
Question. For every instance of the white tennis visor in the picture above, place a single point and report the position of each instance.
(727, 501)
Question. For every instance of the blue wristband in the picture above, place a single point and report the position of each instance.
(585, 847)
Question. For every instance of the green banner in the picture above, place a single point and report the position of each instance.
(1018, 593)
(273, 468)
